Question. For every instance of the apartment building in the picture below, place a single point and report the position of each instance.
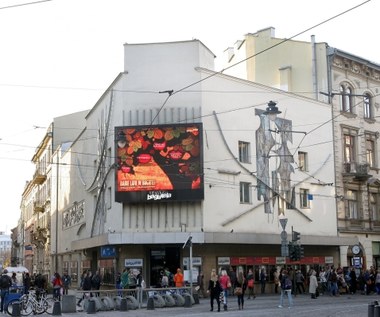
(350, 84)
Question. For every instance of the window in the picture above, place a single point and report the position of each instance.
(304, 195)
(302, 161)
(367, 107)
(349, 148)
(345, 98)
(370, 149)
(244, 152)
(245, 193)
(373, 207)
(352, 204)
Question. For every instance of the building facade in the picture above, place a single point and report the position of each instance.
(350, 85)
(174, 150)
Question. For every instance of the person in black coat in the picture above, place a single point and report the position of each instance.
(214, 289)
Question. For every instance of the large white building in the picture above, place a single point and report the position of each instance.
(350, 84)
(173, 149)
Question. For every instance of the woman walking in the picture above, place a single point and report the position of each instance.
(214, 289)
(240, 286)
(313, 284)
(225, 282)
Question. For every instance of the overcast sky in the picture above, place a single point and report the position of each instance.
(58, 56)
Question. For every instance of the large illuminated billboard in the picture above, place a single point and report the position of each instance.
(159, 163)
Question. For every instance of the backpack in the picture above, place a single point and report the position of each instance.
(288, 283)
(5, 281)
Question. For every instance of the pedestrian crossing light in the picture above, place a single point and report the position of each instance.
(296, 236)
(302, 251)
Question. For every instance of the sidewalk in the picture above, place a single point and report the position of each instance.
(263, 305)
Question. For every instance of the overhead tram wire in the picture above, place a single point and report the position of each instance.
(24, 4)
(171, 92)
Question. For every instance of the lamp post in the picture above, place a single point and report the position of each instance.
(284, 236)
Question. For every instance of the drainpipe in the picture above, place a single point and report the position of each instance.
(314, 67)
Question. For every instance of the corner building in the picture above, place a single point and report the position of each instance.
(173, 149)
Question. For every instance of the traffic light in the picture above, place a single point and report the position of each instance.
(292, 251)
(296, 236)
(302, 251)
(297, 253)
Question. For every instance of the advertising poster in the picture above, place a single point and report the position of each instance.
(159, 163)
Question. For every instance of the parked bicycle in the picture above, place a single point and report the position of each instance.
(33, 303)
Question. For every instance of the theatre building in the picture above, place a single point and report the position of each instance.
(174, 150)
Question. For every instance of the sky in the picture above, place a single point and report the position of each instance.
(58, 57)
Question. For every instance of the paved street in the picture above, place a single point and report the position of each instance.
(265, 306)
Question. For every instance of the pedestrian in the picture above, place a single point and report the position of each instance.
(300, 280)
(125, 278)
(178, 278)
(276, 280)
(240, 287)
(333, 278)
(96, 281)
(57, 286)
(214, 289)
(323, 280)
(286, 289)
(313, 284)
(5, 284)
(200, 282)
(118, 284)
(263, 279)
(225, 283)
(354, 281)
(232, 274)
(251, 284)
(66, 280)
(26, 282)
(132, 280)
(164, 280)
(14, 280)
(86, 287)
(40, 284)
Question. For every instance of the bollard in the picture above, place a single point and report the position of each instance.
(187, 301)
(91, 308)
(16, 309)
(371, 310)
(376, 311)
(57, 309)
(150, 304)
(196, 298)
(123, 304)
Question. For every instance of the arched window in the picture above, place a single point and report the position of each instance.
(367, 106)
(346, 98)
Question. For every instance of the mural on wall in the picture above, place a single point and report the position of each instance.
(273, 181)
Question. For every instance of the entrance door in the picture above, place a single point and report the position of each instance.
(161, 259)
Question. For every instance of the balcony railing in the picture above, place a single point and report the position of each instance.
(38, 207)
(358, 170)
(39, 177)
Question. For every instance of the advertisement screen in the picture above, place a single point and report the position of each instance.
(159, 163)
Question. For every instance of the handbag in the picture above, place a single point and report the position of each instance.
(238, 291)
(250, 283)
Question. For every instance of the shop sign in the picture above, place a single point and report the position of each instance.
(133, 262)
(197, 261)
(224, 260)
(108, 251)
(281, 260)
(329, 259)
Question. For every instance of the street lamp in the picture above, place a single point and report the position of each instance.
(272, 111)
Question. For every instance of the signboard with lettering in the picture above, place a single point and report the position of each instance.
(223, 260)
(133, 262)
(197, 261)
(108, 251)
